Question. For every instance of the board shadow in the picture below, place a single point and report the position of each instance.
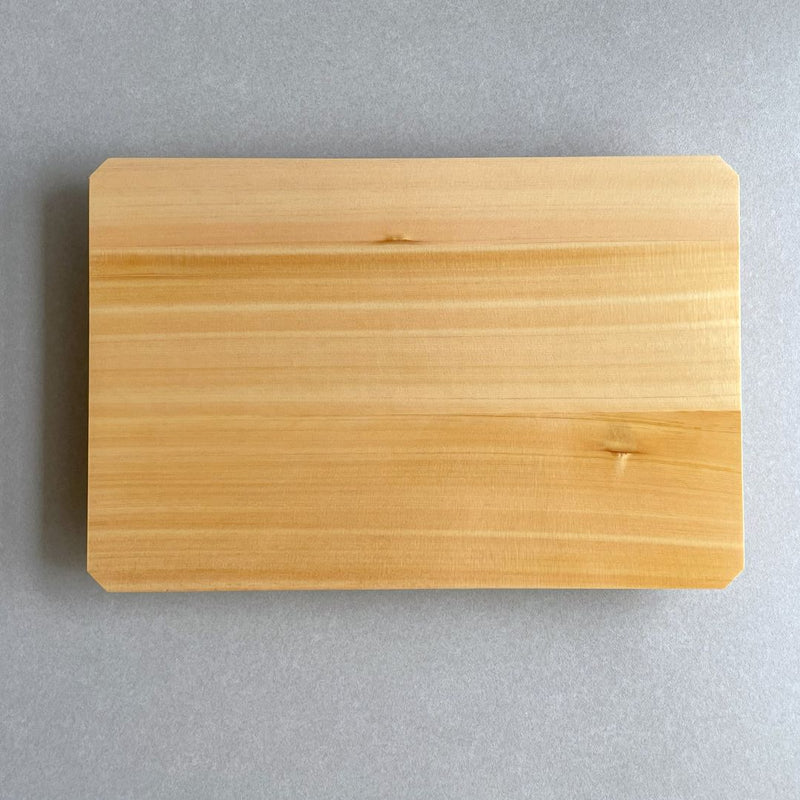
(64, 404)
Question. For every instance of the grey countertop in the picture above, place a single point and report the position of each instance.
(409, 694)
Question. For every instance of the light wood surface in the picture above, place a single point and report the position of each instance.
(414, 373)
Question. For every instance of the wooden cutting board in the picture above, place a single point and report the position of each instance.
(414, 373)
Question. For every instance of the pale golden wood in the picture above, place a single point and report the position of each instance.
(414, 373)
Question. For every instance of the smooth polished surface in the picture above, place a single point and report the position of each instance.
(626, 695)
(535, 383)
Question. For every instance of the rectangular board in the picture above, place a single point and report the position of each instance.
(414, 373)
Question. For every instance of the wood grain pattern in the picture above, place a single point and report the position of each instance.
(414, 373)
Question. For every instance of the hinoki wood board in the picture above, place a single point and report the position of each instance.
(414, 373)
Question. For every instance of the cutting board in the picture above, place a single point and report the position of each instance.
(414, 373)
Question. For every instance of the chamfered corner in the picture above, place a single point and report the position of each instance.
(100, 579)
(101, 169)
(729, 169)
(737, 568)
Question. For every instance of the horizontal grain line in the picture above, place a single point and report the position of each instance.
(477, 399)
(433, 333)
(282, 423)
(219, 544)
(600, 299)
(372, 366)
(376, 275)
(165, 454)
(476, 246)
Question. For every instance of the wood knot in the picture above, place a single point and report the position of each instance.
(397, 238)
(621, 443)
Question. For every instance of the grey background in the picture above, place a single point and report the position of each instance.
(430, 695)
